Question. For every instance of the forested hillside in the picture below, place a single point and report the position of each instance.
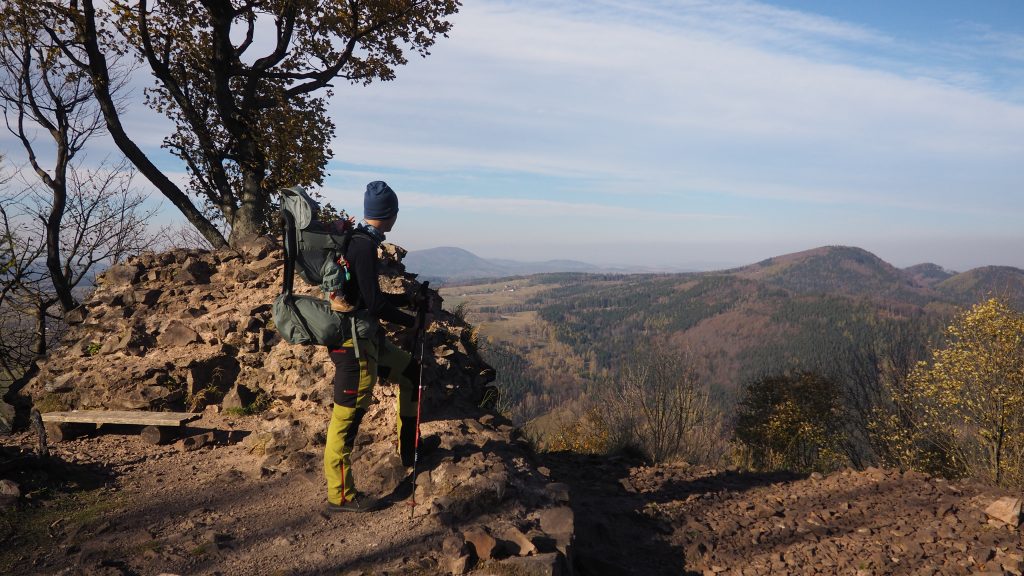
(838, 311)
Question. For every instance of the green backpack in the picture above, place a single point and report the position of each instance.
(314, 251)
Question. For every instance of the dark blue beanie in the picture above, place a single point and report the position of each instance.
(380, 202)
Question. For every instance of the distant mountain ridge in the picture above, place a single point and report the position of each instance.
(834, 270)
(828, 309)
(454, 264)
(852, 271)
(841, 270)
(979, 283)
(928, 274)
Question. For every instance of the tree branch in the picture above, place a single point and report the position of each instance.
(100, 76)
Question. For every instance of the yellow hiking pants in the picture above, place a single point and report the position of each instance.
(353, 390)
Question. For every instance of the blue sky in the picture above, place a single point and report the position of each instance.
(704, 133)
(699, 134)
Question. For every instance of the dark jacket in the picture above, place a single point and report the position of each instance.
(365, 290)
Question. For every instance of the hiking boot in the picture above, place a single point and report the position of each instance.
(357, 504)
(339, 303)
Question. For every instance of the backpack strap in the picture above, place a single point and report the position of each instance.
(290, 253)
(291, 249)
(345, 241)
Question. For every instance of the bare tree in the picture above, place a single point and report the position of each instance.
(180, 235)
(19, 251)
(104, 222)
(659, 406)
(41, 92)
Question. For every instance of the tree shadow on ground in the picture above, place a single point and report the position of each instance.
(613, 536)
(872, 508)
(725, 481)
(57, 497)
(35, 473)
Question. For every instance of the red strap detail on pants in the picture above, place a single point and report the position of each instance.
(342, 467)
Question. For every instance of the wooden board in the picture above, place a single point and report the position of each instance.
(138, 417)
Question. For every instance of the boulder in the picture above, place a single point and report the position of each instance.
(238, 398)
(515, 542)
(1006, 510)
(257, 247)
(77, 315)
(455, 554)
(194, 271)
(558, 492)
(9, 493)
(121, 275)
(482, 542)
(176, 335)
(62, 383)
(557, 522)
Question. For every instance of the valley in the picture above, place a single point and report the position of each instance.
(832, 310)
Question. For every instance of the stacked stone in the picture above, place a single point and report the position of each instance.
(185, 329)
(192, 330)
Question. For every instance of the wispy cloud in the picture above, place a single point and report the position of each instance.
(569, 91)
(738, 118)
(513, 206)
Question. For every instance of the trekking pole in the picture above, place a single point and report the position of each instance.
(421, 321)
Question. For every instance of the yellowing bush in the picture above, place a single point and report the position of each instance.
(962, 412)
(790, 422)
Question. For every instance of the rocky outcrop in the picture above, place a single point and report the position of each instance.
(866, 522)
(193, 330)
(185, 329)
(188, 329)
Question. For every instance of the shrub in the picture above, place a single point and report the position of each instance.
(658, 407)
(792, 422)
(587, 434)
(963, 411)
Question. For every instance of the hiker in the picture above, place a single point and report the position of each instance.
(354, 377)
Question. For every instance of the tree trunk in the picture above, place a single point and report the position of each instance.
(1000, 438)
(100, 76)
(249, 217)
(60, 282)
(158, 434)
(246, 223)
(39, 345)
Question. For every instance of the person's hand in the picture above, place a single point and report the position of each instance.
(340, 225)
(407, 340)
(418, 300)
(435, 302)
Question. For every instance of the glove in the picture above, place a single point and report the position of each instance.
(434, 302)
(407, 339)
(418, 300)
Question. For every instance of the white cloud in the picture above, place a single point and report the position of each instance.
(528, 206)
(700, 97)
(731, 116)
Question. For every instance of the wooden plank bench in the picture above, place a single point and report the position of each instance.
(158, 426)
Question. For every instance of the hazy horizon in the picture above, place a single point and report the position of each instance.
(668, 132)
(708, 258)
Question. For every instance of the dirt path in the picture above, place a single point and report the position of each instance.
(111, 504)
(153, 509)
